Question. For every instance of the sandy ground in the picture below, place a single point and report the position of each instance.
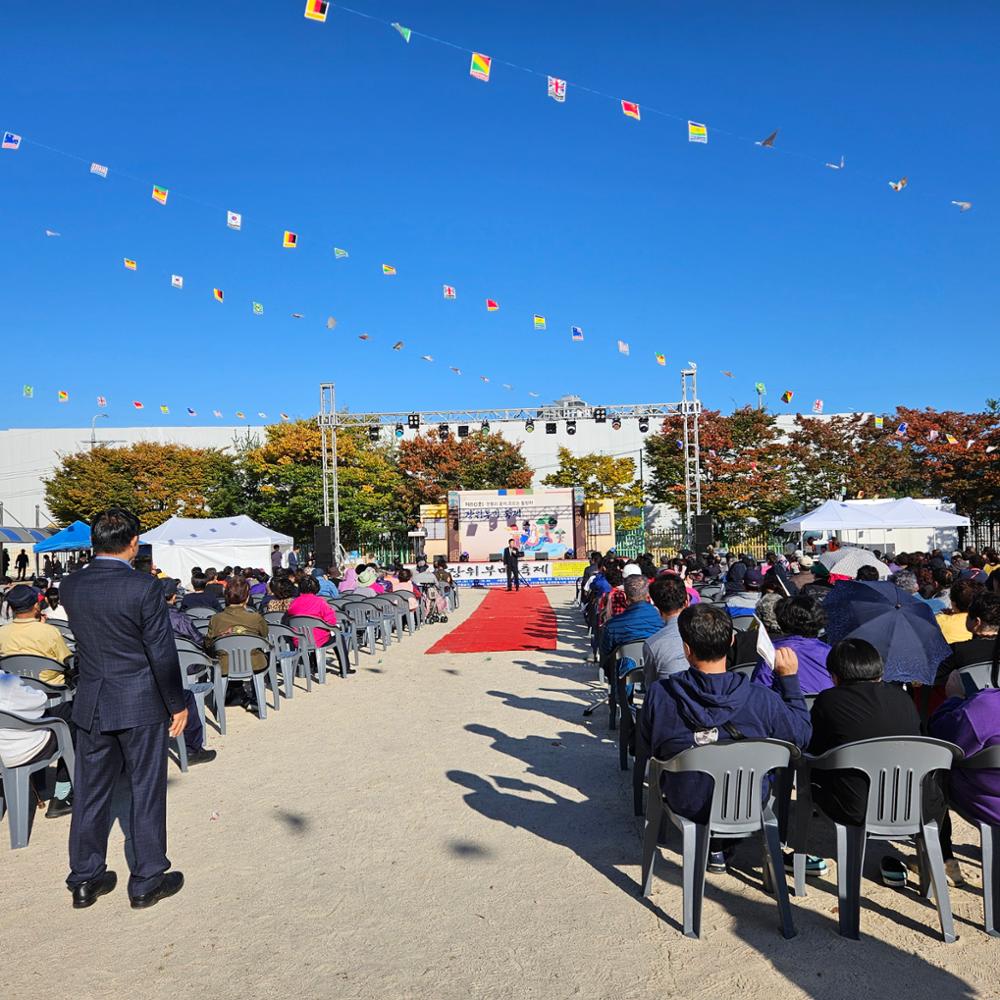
(450, 827)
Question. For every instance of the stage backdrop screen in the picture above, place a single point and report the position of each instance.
(542, 521)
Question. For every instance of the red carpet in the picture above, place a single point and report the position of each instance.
(504, 622)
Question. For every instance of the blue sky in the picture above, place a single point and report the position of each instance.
(757, 261)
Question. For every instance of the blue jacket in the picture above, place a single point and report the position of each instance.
(130, 674)
(677, 707)
(637, 622)
(327, 588)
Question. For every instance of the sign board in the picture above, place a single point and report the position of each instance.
(493, 574)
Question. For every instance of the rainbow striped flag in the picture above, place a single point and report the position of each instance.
(480, 67)
(697, 132)
(539, 322)
(388, 269)
(160, 194)
(63, 396)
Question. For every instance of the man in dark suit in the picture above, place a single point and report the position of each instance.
(510, 556)
(129, 697)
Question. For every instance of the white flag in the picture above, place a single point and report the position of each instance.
(622, 347)
(818, 406)
(557, 89)
(234, 220)
(97, 168)
(177, 280)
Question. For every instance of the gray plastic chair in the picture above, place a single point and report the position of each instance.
(391, 615)
(738, 770)
(200, 683)
(240, 668)
(187, 645)
(624, 698)
(16, 798)
(303, 626)
(382, 620)
(201, 624)
(896, 768)
(362, 626)
(64, 630)
(274, 617)
(988, 759)
(293, 659)
(403, 605)
(200, 613)
(743, 623)
(30, 667)
(976, 676)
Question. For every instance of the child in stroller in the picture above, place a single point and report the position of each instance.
(434, 603)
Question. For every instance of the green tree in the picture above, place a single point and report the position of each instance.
(155, 481)
(602, 477)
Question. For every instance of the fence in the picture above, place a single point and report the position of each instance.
(753, 540)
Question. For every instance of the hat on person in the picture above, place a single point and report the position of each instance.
(421, 560)
(805, 562)
(22, 597)
(631, 570)
(366, 577)
(169, 587)
(753, 579)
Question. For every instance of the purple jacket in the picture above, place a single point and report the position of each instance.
(812, 654)
(973, 724)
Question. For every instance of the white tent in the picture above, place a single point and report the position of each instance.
(833, 515)
(908, 513)
(182, 543)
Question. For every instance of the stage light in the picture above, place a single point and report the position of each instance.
(443, 432)
(529, 426)
(463, 430)
(643, 425)
(600, 415)
(399, 430)
(616, 423)
(374, 433)
(485, 427)
(550, 428)
(570, 426)
(414, 421)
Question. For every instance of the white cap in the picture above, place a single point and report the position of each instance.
(631, 570)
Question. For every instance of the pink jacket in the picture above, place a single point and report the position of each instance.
(315, 607)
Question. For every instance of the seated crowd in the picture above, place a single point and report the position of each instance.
(687, 613)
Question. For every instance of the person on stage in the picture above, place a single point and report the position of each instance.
(129, 701)
(511, 554)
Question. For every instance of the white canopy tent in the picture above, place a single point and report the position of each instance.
(833, 515)
(908, 513)
(182, 543)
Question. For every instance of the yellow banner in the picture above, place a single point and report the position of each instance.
(572, 568)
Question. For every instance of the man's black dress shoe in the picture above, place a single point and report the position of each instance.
(86, 894)
(172, 883)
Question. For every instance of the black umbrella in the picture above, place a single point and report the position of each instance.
(899, 626)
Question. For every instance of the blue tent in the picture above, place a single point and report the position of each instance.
(76, 536)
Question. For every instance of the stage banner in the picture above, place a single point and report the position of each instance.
(493, 574)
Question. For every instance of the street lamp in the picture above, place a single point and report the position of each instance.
(93, 427)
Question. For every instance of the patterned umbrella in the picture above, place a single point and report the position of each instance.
(847, 562)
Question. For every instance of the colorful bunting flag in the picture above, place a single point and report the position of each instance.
(192, 413)
(177, 280)
(398, 346)
(63, 396)
(136, 404)
(426, 357)
(951, 439)
(262, 415)
(340, 254)
(879, 423)
(234, 220)
(160, 194)
(484, 378)
(492, 305)
(405, 32)
(448, 291)
(219, 294)
(786, 396)
(284, 416)
(631, 110)
(101, 402)
(728, 374)
(760, 388)
(28, 391)
(817, 406)
(969, 443)
(933, 435)
(164, 408)
(697, 132)
(898, 186)
(506, 386)
(539, 322)
(480, 67)
(622, 348)
(240, 415)
(290, 240)
(576, 332)
(903, 429)
(457, 371)
(388, 269)
(258, 309)
(298, 316)
(768, 143)
(331, 323)
(99, 169)
(363, 336)
(129, 264)
(52, 232)
(217, 414)
(557, 89)
(316, 10)
(10, 141)
(661, 360)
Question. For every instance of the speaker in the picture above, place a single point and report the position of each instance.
(323, 545)
(703, 531)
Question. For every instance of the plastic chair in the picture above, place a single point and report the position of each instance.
(201, 682)
(16, 797)
(382, 619)
(30, 668)
(200, 612)
(303, 626)
(979, 676)
(201, 624)
(391, 615)
(240, 668)
(988, 759)
(625, 681)
(64, 630)
(403, 604)
(292, 656)
(274, 617)
(358, 615)
(187, 645)
(738, 770)
(896, 768)
(743, 623)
